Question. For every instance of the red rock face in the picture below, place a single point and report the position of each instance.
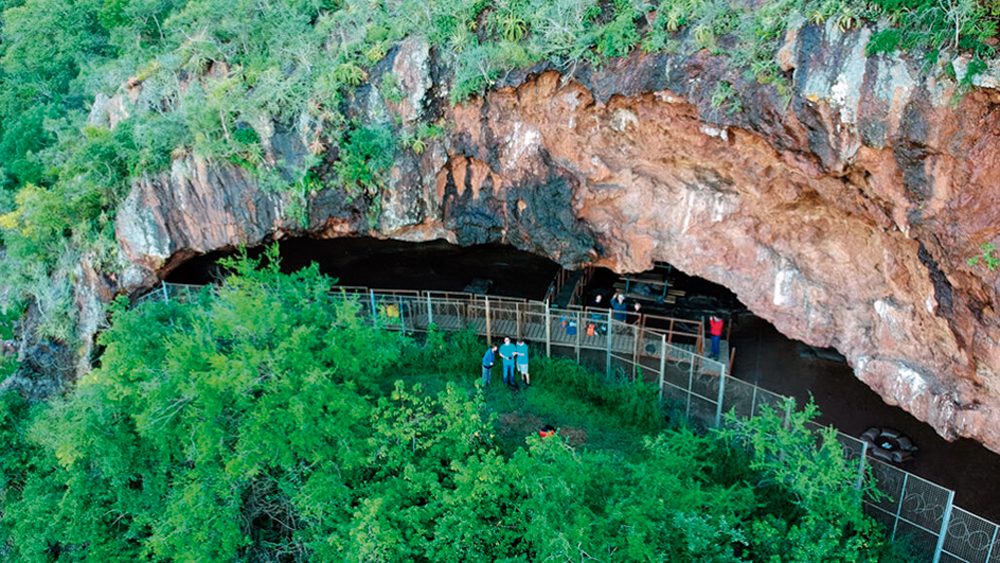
(847, 259)
(845, 217)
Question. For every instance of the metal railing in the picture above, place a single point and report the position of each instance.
(922, 511)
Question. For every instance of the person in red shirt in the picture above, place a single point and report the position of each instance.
(715, 331)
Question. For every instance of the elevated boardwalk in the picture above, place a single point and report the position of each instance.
(635, 337)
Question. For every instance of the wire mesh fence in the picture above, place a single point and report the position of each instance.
(908, 507)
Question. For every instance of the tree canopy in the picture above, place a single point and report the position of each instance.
(266, 421)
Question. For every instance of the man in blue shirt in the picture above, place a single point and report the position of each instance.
(521, 359)
(619, 307)
(507, 352)
(489, 358)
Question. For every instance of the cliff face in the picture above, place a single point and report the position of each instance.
(845, 215)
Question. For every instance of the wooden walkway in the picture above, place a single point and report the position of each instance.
(630, 342)
(520, 318)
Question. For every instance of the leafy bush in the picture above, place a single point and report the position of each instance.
(813, 510)
(266, 421)
(365, 155)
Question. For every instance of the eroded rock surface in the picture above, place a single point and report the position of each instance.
(844, 215)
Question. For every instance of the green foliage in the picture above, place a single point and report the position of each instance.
(10, 315)
(926, 25)
(620, 35)
(365, 155)
(349, 73)
(987, 258)
(391, 89)
(726, 98)
(17, 461)
(417, 141)
(267, 421)
(816, 514)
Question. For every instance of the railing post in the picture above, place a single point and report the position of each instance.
(899, 509)
(608, 346)
(690, 398)
(489, 329)
(663, 364)
(430, 311)
(944, 527)
(636, 337)
(548, 331)
(519, 318)
(993, 543)
(861, 466)
(722, 390)
(166, 295)
(579, 329)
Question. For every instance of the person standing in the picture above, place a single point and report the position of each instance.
(715, 331)
(489, 358)
(618, 304)
(507, 351)
(636, 313)
(521, 353)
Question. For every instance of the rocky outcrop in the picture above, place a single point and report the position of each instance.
(844, 214)
(196, 208)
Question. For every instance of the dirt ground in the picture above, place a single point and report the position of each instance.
(775, 362)
(515, 425)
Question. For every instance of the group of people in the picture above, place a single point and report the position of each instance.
(515, 356)
(512, 356)
(619, 307)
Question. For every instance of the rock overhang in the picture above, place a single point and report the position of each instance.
(844, 215)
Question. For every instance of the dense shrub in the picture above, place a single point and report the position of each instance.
(267, 422)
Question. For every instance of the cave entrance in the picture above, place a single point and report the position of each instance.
(391, 264)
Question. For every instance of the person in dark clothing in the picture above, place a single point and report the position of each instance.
(598, 302)
(489, 358)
